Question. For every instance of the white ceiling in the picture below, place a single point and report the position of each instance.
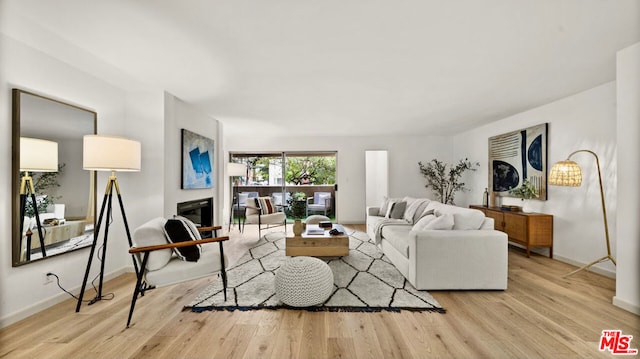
(354, 67)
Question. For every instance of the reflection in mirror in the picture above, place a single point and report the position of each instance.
(53, 209)
(36, 155)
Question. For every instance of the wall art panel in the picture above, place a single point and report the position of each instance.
(197, 161)
(516, 156)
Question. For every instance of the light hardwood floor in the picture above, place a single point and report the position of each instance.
(540, 315)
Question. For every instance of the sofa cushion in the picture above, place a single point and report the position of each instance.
(273, 218)
(398, 237)
(251, 208)
(443, 222)
(151, 233)
(434, 205)
(373, 221)
(178, 271)
(409, 200)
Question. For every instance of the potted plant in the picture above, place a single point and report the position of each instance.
(526, 191)
(297, 211)
(444, 179)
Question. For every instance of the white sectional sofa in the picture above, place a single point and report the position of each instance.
(438, 246)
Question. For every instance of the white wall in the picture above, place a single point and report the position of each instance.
(179, 115)
(586, 120)
(21, 290)
(144, 190)
(404, 154)
(628, 228)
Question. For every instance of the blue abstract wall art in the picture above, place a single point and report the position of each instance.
(516, 156)
(197, 161)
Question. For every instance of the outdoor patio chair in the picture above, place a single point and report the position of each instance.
(320, 202)
(279, 200)
(244, 196)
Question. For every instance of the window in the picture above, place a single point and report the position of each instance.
(285, 174)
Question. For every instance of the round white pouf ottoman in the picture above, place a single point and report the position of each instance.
(315, 219)
(304, 282)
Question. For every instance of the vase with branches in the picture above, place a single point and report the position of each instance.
(444, 179)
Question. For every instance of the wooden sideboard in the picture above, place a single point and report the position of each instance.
(524, 228)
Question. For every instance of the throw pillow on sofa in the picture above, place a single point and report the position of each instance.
(387, 213)
(442, 222)
(397, 210)
(386, 205)
(422, 223)
(415, 210)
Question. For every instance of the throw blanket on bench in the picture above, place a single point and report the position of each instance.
(386, 222)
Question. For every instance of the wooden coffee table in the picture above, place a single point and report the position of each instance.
(318, 245)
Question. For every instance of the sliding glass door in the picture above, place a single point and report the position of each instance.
(299, 183)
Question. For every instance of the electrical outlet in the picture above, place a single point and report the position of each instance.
(47, 278)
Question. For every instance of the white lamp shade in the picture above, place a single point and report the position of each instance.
(236, 169)
(110, 153)
(38, 155)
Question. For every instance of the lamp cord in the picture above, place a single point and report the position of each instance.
(107, 296)
(110, 295)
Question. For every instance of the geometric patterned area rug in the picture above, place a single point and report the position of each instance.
(364, 281)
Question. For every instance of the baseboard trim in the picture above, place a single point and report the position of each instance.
(53, 300)
(629, 307)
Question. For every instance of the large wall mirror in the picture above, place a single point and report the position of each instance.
(54, 189)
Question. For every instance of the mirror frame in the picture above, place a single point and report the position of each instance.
(15, 174)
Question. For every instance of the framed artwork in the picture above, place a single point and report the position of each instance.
(516, 156)
(197, 161)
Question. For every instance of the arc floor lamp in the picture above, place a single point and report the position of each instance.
(115, 154)
(568, 173)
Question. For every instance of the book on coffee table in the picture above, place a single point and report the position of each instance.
(315, 231)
